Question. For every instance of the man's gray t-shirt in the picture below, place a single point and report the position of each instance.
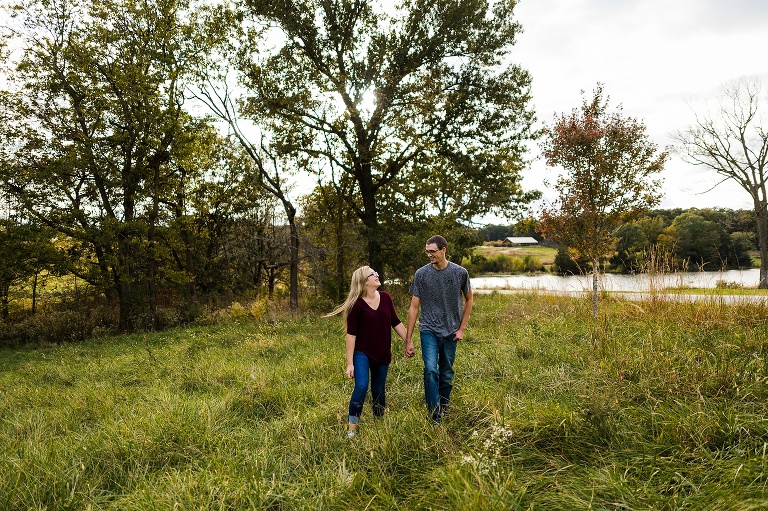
(441, 295)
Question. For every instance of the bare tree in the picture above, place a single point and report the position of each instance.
(272, 170)
(730, 136)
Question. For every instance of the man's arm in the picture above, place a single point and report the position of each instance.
(400, 329)
(413, 313)
(468, 301)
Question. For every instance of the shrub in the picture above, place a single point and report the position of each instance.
(56, 327)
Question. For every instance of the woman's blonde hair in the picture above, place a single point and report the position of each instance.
(356, 289)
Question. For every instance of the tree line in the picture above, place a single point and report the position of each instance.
(695, 239)
(154, 146)
(152, 151)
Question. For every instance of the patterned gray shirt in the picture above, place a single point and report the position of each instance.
(441, 295)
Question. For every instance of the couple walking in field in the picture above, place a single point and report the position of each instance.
(442, 291)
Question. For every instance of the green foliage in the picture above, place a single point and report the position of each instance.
(333, 244)
(631, 246)
(525, 227)
(658, 405)
(565, 264)
(26, 251)
(503, 263)
(710, 239)
(97, 102)
(699, 240)
(405, 251)
(152, 204)
(418, 108)
(58, 326)
(492, 232)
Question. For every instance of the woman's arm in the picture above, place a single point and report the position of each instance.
(350, 355)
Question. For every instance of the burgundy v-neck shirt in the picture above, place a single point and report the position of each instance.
(373, 328)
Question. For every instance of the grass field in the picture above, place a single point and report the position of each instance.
(658, 405)
(545, 255)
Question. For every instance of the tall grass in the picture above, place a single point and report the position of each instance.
(659, 405)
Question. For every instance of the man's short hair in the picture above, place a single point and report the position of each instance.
(439, 241)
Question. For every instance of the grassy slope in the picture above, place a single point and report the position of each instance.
(655, 407)
(544, 255)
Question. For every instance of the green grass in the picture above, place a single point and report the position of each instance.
(545, 255)
(658, 405)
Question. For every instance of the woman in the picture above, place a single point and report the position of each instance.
(369, 315)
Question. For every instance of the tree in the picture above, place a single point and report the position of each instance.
(273, 164)
(26, 250)
(493, 232)
(700, 241)
(100, 102)
(631, 246)
(415, 99)
(609, 165)
(216, 219)
(335, 248)
(730, 136)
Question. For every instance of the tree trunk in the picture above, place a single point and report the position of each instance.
(4, 301)
(294, 267)
(152, 277)
(152, 263)
(293, 279)
(373, 237)
(375, 257)
(34, 294)
(340, 277)
(271, 282)
(370, 219)
(761, 214)
(595, 270)
(125, 305)
(122, 279)
(190, 275)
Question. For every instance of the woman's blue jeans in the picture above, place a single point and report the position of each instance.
(365, 373)
(438, 354)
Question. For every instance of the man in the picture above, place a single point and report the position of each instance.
(442, 290)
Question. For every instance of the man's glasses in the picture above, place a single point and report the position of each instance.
(432, 252)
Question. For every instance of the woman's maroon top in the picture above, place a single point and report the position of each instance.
(372, 328)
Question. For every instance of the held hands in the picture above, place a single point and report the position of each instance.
(350, 371)
(409, 350)
(458, 335)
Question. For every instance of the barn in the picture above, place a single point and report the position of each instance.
(518, 241)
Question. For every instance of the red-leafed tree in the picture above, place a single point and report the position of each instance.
(609, 168)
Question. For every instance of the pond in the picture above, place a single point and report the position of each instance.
(614, 282)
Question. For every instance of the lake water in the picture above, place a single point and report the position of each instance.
(610, 282)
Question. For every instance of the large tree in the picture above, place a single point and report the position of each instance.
(609, 165)
(421, 96)
(99, 106)
(730, 136)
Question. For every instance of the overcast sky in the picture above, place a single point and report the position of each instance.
(654, 57)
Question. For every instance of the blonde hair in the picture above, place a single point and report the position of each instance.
(356, 290)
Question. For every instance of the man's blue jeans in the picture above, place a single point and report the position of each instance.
(366, 372)
(438, 354)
